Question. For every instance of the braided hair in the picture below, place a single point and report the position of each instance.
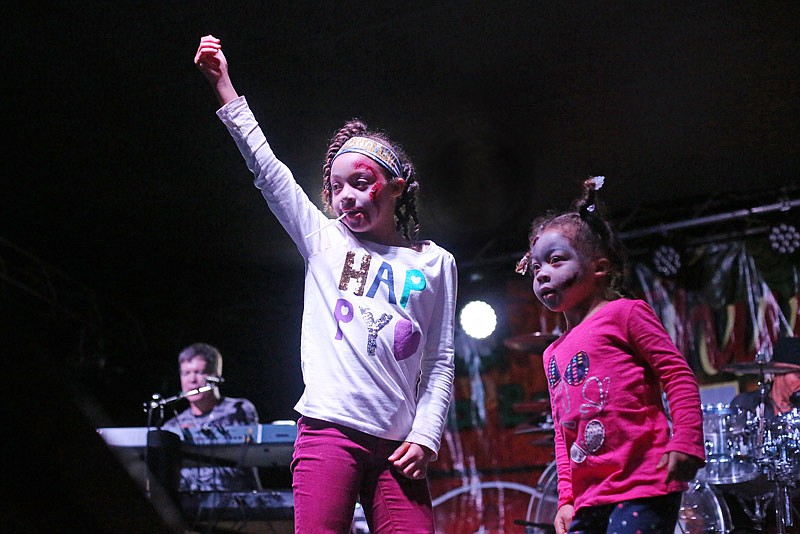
(590, 233)
(405, 210)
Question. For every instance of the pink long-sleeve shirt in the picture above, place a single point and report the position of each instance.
(605, 377)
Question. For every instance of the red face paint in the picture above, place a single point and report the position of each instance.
(375, 191)
(366, 166)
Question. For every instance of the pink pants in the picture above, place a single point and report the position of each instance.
(334, 465)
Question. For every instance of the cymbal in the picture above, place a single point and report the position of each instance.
(755, 368)
(534, 342)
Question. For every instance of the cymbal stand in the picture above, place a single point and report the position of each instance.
(761, 409)
(759, 512)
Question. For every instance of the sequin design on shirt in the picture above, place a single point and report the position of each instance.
(577, 369)
(594, 435)
(373, 327)
(594, 392)
(574, 374)
(553, 374)
(556, 386)
(349, 272)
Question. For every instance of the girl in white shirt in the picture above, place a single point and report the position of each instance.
(377, 333)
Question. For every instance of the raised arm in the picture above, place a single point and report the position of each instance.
(214, 66)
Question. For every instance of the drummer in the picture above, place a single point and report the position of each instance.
(785, 382)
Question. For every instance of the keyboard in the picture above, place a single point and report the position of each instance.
(264, 445)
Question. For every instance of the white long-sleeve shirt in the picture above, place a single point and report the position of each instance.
(377, 330)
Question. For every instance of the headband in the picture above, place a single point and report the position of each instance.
(374, 150)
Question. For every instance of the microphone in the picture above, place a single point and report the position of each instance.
(214, 380)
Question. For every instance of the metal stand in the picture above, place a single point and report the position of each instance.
(784, 482)
(163, 451)
(759, 510)
(157, 402)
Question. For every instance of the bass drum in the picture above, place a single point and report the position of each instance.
(702, 510)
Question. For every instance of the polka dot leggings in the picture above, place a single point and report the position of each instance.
(653, 515)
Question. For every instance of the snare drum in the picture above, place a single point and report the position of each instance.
(730, 445)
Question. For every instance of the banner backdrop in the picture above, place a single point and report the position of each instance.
(727, 303)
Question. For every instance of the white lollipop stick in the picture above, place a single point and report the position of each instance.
(321, 228)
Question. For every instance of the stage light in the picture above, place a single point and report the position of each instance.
(784, 238)
(667, 260)
(478, 319)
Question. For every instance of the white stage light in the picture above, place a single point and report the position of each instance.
(478, 319)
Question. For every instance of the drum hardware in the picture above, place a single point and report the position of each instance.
(755, 508)
(780, 463)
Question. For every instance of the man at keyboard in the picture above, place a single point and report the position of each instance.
(210, 410)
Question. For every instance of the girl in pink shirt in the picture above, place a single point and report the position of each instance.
(621, 468)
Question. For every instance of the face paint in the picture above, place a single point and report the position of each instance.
(569, 282)
(366, 167)
(375, 191)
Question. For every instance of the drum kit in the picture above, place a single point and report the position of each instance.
(751, 456)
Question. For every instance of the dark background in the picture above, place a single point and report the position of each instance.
(130, 228)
